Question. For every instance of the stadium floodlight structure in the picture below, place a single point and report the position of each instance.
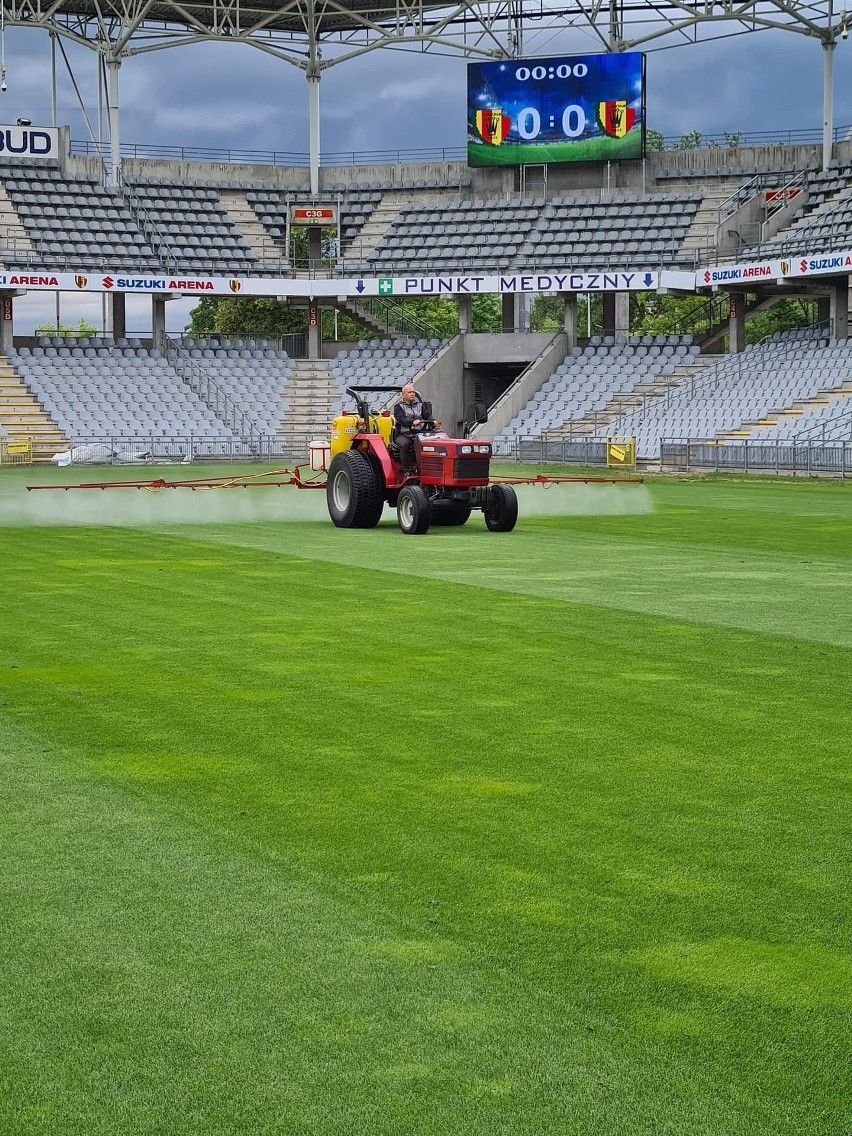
(314, 35)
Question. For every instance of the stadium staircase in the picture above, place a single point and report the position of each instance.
(797, 234)
(777, 418)
(22, 416)
(701, 235)
(624, 402)
(15, 240)
(373, 230)
(388, 317)
(311, 396)
(244, 218)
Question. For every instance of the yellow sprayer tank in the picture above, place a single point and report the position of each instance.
(343, 430)
(346, 426)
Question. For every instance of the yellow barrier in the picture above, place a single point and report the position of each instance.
(621, 452)
(17, 451)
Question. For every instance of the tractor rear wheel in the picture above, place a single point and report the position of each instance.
(450, 512)
(354, 491)
(413, 510)
(501, 511)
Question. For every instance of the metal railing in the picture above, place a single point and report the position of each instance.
(783, 456)
(197, 379)
(153, 448)
(563, 451)
(294, 344)
(395, 318)
(838, 423)
(728, 142)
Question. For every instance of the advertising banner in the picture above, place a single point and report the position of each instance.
(28, 142)
(557, 280)
(818, 264)
(575, 108)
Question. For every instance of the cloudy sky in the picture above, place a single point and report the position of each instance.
(233, 96)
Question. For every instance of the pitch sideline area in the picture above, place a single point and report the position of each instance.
(331, 832)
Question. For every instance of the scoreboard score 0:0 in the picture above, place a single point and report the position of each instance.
(582, 108)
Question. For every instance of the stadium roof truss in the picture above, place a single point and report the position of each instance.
(314, 35)
(322, 33)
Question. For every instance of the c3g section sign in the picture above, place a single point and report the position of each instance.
(29, 142)
(576, 108)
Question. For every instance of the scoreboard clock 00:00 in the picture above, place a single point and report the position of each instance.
(581, 108)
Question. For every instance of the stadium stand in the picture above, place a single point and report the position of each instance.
(74, 221)
(762, 386)
(190, 222)
(583, 386)
(251, 374)
(395, 361)
(648, 228)
(160, 223)
(828, 226)
(128, 392)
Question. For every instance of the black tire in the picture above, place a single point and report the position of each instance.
(501, 510)
(413, 510)
(450, 512)
(354, 491)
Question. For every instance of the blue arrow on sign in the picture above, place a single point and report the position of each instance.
(359, 287)
(649, 279)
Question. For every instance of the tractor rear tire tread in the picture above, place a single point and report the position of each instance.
(354, 492)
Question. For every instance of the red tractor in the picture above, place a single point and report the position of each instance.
(452, 477)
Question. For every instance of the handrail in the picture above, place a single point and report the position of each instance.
(396, 317)
(146, 224)
(197, 379)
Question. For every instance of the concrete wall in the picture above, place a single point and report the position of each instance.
(525, 386)
(480, 347)
(440, 382)
(606, 178)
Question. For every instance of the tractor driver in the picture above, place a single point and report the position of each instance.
(408, 415)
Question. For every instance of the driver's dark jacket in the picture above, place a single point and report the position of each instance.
(404, 414)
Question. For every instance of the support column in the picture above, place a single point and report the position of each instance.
(736, 322)
(827, 101)
(112, 66)
(465, 314)
(314, 330)
(622, 316)
(314, 125)
(314, 250)
(823, 309)
(608, 312)
(117, 314)
(509, 307)
(158, 321)
(7, 341)
(839, 307)
(570, 322)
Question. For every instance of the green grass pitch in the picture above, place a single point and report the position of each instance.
(329, 833)
(600, 149)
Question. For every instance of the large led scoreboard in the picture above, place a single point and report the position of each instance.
(577, 108)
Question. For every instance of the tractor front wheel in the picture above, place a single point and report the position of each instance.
(501, 511)
(413, 510)
(354, 492)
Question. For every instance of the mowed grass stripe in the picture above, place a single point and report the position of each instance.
(801, 594)
(639, 820)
